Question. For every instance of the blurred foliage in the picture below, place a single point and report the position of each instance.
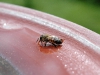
(83, 12)
(92, 1)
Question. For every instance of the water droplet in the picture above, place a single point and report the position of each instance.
(57, 56)
(84, 51)
(70, 68)
(73, 72)
(4, 24)
(75, 52)
(65, 65)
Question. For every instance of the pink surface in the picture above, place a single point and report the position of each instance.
(19, 29)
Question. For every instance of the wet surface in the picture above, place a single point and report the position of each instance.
(19, 32)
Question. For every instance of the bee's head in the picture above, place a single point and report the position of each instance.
(60, 41)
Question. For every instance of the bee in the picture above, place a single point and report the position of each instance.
(54, 40)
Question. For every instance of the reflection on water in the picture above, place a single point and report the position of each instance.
(49, 49)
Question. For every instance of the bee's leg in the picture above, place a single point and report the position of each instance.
(45, 43)
(54, 44)
(37, 40)
(41, 43)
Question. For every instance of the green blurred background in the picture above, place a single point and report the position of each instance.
(83, 12)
